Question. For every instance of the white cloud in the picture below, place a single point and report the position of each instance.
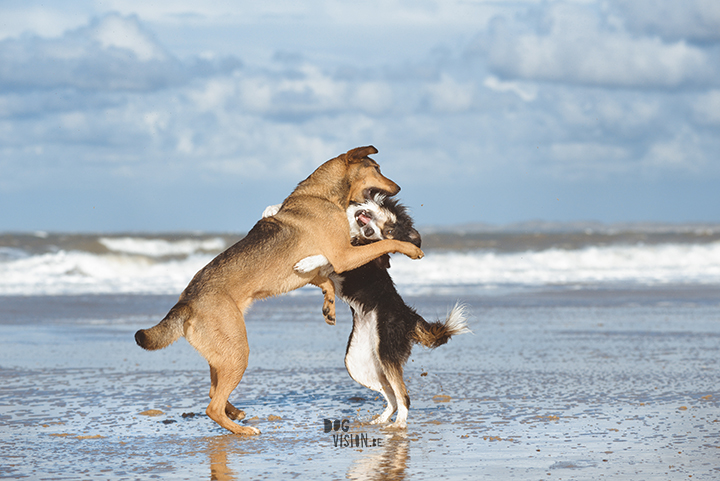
(577, 44)
(307, 90)
(588, 160)
(559, 94)
(682, 152)
(525, 91)
(157, 122)
(126, 33)
(215, 93)
(373, 97)
(24, 17)
(449, 95)
(707, 107)
(625, 115)
(695, 20)
(112, 53)
(369, 13)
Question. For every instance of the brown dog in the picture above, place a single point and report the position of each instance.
(311, 221)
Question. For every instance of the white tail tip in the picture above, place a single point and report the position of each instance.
(457, 320)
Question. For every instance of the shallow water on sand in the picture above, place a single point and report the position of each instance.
(551, 385)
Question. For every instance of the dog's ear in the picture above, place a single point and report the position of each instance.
(414, 237)
(359, 153)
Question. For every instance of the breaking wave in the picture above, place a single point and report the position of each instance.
(87, 264)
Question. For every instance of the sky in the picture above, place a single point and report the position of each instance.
(193, 116)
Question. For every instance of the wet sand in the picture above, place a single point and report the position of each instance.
(553, 384)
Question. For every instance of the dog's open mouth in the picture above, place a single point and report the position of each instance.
(363, 217)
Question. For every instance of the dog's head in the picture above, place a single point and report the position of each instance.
(380, 218)
(364, 177)
(368, 220)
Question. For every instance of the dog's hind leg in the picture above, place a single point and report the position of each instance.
(394, 376)
(226, 350)
(328, 290)
(232, 412)
(390, 398)
(311, 263)
(227, 380)
(363, 364)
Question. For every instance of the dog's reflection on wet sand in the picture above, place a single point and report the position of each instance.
(387, 462)
(218, 449)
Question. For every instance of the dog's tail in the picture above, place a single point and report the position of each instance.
(438, 333)
(166, 331)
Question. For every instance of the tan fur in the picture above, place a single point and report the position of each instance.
(311, 221)
(435, 335)
(328, 287)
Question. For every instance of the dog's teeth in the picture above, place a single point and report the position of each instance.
(363, 219)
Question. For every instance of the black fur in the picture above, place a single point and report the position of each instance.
(371, 287)
(376, 304)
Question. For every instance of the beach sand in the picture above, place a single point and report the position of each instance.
(552, 384)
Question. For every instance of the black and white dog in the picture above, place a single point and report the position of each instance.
(384, 327)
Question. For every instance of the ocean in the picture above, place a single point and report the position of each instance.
(594, 354)
(468, 260)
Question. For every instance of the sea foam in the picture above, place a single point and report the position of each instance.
(162, 266)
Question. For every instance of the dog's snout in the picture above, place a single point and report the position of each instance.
(368, 231)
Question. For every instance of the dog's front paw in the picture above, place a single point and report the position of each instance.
(310, 263)
(414, 252)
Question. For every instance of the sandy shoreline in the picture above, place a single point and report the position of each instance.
(551, 385)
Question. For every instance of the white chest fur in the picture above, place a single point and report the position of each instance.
(361, 360)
